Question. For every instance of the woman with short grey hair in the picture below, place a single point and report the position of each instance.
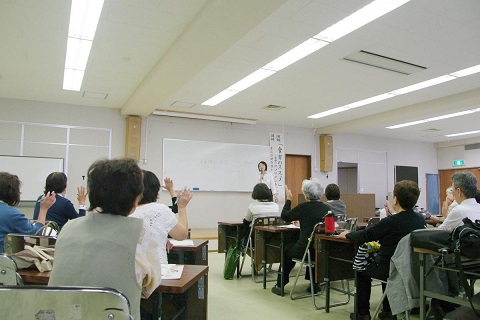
(307, 214)
(312, 189)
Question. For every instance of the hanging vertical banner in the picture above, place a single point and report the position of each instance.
(277, 163)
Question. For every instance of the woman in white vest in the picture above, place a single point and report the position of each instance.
(161, 218)
(107, 248)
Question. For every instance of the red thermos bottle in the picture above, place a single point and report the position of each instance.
(329, 223)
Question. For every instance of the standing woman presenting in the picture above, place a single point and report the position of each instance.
(267, 178)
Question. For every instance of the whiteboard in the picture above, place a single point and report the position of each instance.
(32, 172)
(212, 166)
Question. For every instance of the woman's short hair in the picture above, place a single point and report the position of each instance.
(151, 187)
(312, 189)
(332, 192)
(264, 163)
(56, 181)
(113, 185)
(407, 193)
(9, 188)
(262, 192)
(467, 182)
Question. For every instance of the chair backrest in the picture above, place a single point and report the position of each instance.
(8, 272)
(43, 302)
(372, 221)
(351, 224)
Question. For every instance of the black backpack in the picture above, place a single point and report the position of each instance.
(466, 242)
(466, 239)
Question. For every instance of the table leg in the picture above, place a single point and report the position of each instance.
(280, 271)
(264, 261)
(421, 258)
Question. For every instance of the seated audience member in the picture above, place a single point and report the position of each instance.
(448, 204)
(464, 185)
(332, 193)
(159, 217)
(388, 232)
(307, 214)
(107, 248)
(63, 209)
(262, 207)
(12, 220)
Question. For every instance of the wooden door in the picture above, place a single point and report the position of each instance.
(297, 169)
(446, 179)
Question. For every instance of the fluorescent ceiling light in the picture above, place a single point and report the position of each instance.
(224, 95)
(394, 93)
(328, 113)
(442, 117)
(462, 134)
(356, 20)
(467, 72)
(251, 79)
(78, 51)
(299, 52)
(424, 84)
(84, 16)
(202, 117)
(72, 79)
(350, 106)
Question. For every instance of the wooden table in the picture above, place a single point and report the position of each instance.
(330, 249)
(276, 238)
(228, 233)
(196, 254)
(185, 298)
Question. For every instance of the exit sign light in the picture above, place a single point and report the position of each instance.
(458, 163)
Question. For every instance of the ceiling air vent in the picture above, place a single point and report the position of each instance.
(382, 62)
(432, 130)
(273, 107)
(472, 146)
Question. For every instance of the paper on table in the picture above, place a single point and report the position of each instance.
(182, 243)
(292, 226)
(172, 271)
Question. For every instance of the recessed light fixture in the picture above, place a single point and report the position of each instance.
(462, 134)
(351, 23)
(84, 16)
(404, 90)
(442, 117)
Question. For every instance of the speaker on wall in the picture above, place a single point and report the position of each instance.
(326, 153)
(133, 137)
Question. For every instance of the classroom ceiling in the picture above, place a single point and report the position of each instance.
(175, 54)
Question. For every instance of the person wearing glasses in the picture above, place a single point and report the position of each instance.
(464, 185)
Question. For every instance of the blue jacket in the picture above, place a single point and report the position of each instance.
(60, 212)
(13, 221)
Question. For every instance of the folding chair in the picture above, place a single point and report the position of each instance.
(249, 247)
(351, 224)
(372, 221)
(310, 264)
(43, 302)
(8, 272)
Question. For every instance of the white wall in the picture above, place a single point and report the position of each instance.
(448, 152)
(399, 152)
(207, 208)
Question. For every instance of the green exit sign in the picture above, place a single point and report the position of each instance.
(458, 163)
